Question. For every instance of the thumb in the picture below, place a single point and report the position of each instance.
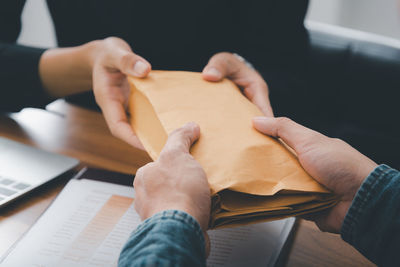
(117, 54)
(223, 65)
(233, 67)
(131, 64)
(292, 133)
(182, 139)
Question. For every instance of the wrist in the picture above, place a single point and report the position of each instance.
(365, 168)
(199, 212)
(372, 199)
(66, 71)
(202, 217)
(91, 52)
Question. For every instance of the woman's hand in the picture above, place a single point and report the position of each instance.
(112, 61)
(233, 67)
(99, 65)
(332, 162)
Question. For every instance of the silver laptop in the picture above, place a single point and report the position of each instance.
(23, 168)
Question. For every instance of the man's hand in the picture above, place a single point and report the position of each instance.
(332, 162)
(112, 60)
(175, 181)
(227, 65)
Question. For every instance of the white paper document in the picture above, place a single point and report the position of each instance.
(90, 221)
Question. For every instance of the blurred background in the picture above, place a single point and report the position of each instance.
(374, 16)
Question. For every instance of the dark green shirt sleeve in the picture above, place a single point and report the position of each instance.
(372, 224)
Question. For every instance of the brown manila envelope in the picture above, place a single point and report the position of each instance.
(252, 177)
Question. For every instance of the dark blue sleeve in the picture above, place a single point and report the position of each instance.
(168, 238)
(20, 84)
(372, 224)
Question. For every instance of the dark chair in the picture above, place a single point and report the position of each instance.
(357, 77)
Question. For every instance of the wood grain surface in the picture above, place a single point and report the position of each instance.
(81, 133)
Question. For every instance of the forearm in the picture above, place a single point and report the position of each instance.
(372, 224)
(66, 71)
(33, 76)
(169, 238)
(20, 85)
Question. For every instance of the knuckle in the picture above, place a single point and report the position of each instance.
(136, 181)
(127, 60)
(283, 121)
(112, 130)
(97, 97)
(146, 168)
(223, 60)
(181, 132)
(174, 151)
(185, 132)
(337, 141)
(170, 153)
(110, 42)
(282, 124)
(177, 137)
(223, 55)
(142, 172)
(138, 177)
(111, 39)
(174, 132)
(261, 85)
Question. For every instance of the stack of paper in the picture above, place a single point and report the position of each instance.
(252, 177)
(90, 221)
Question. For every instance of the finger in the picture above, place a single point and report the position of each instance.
(259, 96)
(117, 122)
(227, 65)
(265, 107)
(120, 56)
(131, 64)
(292, 133)
(223, 65)
(182, 139)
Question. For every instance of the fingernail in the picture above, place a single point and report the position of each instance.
(213, 72)
(139, 68)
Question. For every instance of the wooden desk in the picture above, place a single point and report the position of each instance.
(83, 134)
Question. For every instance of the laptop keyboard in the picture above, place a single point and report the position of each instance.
(10, 187)
(6, 181)
(7, 192)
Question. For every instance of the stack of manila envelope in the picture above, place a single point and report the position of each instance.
(252, 177)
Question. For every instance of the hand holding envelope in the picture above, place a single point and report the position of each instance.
(252, 177)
